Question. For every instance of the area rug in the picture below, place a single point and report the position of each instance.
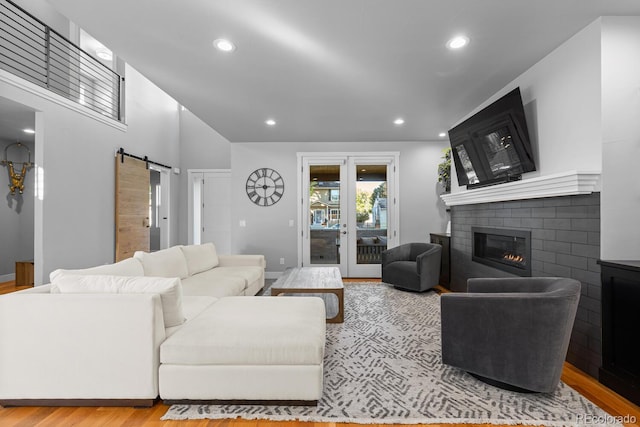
(383, 366)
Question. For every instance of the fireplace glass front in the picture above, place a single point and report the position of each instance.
(507, 250)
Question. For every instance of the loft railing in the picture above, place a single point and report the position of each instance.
(37, 53)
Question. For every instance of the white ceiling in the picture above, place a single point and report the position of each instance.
(334, 70)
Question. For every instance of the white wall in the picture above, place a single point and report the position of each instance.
(620, 198)
(153, 130)
(562, 97)
(583, 108)
(201, 147)
(46, 13)
(267, 229)
(16, 215)
(74, 222)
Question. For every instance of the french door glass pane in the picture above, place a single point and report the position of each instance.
(324, 215)
(371, 213)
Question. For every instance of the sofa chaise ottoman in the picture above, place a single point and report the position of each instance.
(247, 349)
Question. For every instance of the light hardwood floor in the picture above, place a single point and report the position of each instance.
(8, 287)
(150, 417)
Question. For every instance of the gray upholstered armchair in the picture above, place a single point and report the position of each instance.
(412, 266)
(510, 332)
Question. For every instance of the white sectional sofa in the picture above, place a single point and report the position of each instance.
(160, 325)
(201, 270)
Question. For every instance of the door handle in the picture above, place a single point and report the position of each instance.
(344, 232)
(146, 223)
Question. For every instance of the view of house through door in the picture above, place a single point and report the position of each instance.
(370, 237)
(348, 220)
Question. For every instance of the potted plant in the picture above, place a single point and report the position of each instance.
(444, 170)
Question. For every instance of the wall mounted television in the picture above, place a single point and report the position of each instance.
(493, 145)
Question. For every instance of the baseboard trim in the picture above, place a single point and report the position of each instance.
(242, 402)
(136, 403)
(8, 278)
(272, 274)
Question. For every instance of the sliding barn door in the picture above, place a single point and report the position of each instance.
(132, 207)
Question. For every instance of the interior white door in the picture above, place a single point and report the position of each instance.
(216, 210)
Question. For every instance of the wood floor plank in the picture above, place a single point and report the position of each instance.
(8, 287)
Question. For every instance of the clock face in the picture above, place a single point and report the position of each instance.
(265, 187)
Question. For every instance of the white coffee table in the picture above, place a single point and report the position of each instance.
(312, 280)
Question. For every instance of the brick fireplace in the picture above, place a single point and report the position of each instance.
(565, 241)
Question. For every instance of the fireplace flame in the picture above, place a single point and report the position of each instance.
(519, 259)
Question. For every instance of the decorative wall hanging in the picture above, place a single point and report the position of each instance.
(265, 187)
(17, 178)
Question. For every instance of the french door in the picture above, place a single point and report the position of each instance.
(349, 211)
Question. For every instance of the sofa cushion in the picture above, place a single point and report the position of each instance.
(200, 257)
(248, 274)
(251, 331)
(213, 283)
(165, 263)
(191, 307)
(127, 267)
(170, 290)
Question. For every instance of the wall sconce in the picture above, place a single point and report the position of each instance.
(17, 178)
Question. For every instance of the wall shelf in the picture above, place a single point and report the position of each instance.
(560, 184)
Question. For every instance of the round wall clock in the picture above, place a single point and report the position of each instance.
(265, 187)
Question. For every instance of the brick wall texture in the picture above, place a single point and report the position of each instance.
(565, 234)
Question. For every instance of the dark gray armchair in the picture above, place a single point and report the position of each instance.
(412, 266)
(510, 332)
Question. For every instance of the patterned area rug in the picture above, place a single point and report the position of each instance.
(383, 365)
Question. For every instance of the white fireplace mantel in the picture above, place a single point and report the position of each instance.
(560, 184)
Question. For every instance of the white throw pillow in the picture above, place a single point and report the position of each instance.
(200, 257)
(165, 263)
(170, 290)
(127, 267)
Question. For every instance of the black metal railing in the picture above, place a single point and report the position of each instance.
(37, 53)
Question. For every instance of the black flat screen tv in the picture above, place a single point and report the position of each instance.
(493, 146)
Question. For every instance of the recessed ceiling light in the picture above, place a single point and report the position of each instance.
(28, 130)
(270, 122)
(458, 42)
(398, 121)
(442, 134)
(104, 54)
(224, 45)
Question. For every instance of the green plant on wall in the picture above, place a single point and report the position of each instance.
(444, 170)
